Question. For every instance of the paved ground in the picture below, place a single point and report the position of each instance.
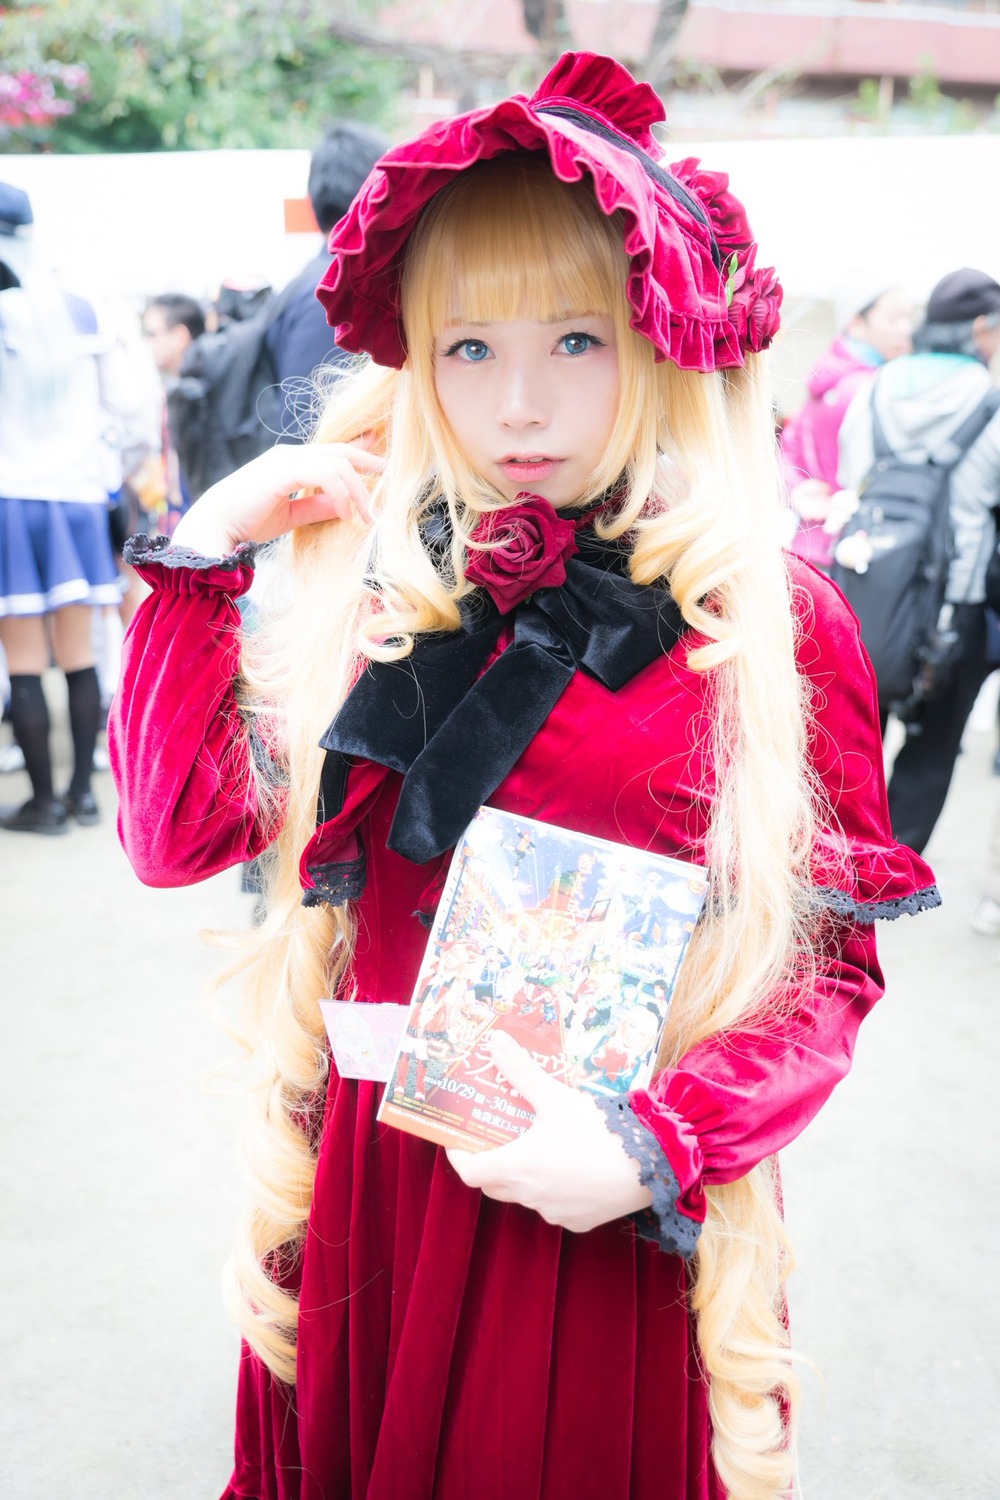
(892, 1199)
(118, 1186)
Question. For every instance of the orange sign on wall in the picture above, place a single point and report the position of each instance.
(299, 217)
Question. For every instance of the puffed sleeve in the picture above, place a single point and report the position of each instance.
(180, 751)
(736, 1098)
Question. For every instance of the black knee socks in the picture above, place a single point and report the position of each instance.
(84, 722)
(29, 717)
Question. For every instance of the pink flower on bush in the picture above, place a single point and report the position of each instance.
(30, 99)
(529, 544)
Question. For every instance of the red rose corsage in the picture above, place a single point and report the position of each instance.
(527, 544)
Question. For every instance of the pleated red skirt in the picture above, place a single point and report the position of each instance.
(450, 1346)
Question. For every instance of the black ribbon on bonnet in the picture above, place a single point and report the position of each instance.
(455, 731)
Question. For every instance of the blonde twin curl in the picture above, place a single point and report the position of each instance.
(699, 509)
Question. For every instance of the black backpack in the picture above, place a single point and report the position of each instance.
(226, 406)
(904, 523)
(993, 568)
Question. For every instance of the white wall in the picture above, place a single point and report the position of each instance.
(911, 208)
(131, 226)
(923, 205)
(904, 209)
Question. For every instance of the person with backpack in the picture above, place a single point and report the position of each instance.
(299, 339)
(876, 324)
(249, 384)
(921, 403)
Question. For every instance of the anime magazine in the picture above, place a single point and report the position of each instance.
(571, 944)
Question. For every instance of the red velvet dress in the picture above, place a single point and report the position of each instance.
(449, 1345)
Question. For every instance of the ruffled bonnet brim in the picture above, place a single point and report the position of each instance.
(695, 291)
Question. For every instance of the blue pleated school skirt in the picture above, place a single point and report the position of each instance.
(54, 553)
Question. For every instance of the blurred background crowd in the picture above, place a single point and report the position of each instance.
(123, 397)
(113, 408)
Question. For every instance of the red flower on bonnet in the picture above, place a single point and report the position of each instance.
(755, 304)
(754, 295)
(681, 226)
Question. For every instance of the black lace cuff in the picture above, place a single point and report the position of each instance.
(140, 549)
(336, 883)
(867, 912)
(662, 1221)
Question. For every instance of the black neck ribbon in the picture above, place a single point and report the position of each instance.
(455, 731)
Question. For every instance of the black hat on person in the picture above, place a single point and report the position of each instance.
(962, 296)
(15, 208)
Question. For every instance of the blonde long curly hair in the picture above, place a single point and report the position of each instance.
(700, 510)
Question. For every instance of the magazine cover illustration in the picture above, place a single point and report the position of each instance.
(570, 944)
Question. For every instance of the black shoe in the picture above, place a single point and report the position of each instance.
(83, 807)
(35, 817)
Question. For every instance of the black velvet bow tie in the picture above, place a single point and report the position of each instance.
(455, 731)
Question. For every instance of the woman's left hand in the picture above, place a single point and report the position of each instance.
(567, 1166)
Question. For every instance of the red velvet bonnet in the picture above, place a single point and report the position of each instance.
(694, 287)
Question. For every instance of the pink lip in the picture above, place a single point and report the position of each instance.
(529, 468)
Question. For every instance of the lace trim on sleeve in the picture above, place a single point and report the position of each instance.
(662, 1222)
(141, 549)
(867, 912)
(337, 882)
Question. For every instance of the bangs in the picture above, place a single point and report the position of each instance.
(561, 256)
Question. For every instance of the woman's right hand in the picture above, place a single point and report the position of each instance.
(290, 485)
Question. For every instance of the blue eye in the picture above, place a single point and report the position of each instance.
(472, 350)
(579, 343)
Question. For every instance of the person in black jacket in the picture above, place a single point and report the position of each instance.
(300, 338)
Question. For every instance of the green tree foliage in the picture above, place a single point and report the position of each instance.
(189, 75)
